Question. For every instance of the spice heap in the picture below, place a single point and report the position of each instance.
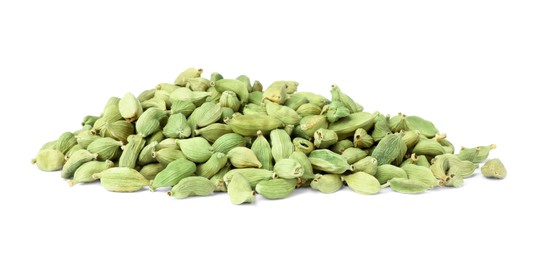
(198, 136)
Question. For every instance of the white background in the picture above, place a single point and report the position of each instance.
(467, 66)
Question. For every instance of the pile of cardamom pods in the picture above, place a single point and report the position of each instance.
(199, 136)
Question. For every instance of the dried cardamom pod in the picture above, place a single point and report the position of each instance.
(327, 183)
(227, 142)
(328, 161)
(130, 107)
(85, 172)
(388, 149)
(276, 188)
(177, 127)
(494, 169)
(362, 182)
(173, 173)
(78, 158)
(242, 157)
(362, 139)
(192, 186)
(121, 179)
(386, 172)
(49, 160)
(248, 125)
(211, 167)
(131, 151)
(288, 169)
(262, 151)
(323, 138)
(368, 165)
(239, 190)
(196, 149)
(281, 144)
(403, 185)
(189, 73)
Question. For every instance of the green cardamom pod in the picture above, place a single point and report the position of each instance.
(341, 146)
(239, 190)
(338, 95)
(288, 169)
(155, 103)
(398, 123)
(130, 107)
(167, 143)
(411, 138)
(246, 80)
(303, 160)
(425, 127)
(192, 186)
(293, 101)
(242, 157)
(276, 188)
(255, 98)
(106, 148)
(177, 127)
(213, 132)
(198, 84)
(149, 121)
(388, 149)
(421, 173)
(335, 111)
(353, 154)
(494, 169)
(428, 147)
(303, 145)
(309, 124)
(146, 154)
(308, 109)
(119, 130)
(85, 172)
(281, 143)
(314, 99)
(363, 183)
(262, 151)
(230, 99)
(173, 173)
(323, 138)
(189, 73)
(368, 165)
(149, 171)
(196, 149)
(248, 125)
(362, 139)
(257, 87)
(285, 114)
(211, 167)
(65, 142)
(233, 85)
(387, 172)
(327, 183)
(404, 185)
(328, 161)
(131, 151)
(121, 179)
(276, 92)
(185, 94)
(167, 155)
(346, 127)
(184, 107)
(381, 128)
(227, 142)
(146, 95)
(218, 178)
(49, 160)
(78, 158)
(252, 175)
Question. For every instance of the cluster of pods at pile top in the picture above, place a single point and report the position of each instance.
(198, 136)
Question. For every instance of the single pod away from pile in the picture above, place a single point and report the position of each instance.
(202, 135)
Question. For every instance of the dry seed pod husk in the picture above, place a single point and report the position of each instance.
(363, 183)
(328, 161)
(242, 157)
(248, 125)
(387, 172)
(240, 191)
(173, 173)
(192, 186)
(234, 85)
(281, 143)
(388, 149)
(327, 183)
(189, 73)
(121, 179)
(345, 127)
(276, 188)
(227, 142)
(196, 149)
(404, 185)
(263, 151)
(494, 169)
(49, 160)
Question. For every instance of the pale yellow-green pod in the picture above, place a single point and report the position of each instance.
(276, 188)
(262, 151)
(65, 142)
(494, 169)
(149, 121)
(288, 169)
(131, 151)
(213, 132)
(106, 148)
(167, 155)
(421, 173)
(346, 127)
(281, 143)
(192, 186)
(49, 160)
(323, 138)
(303, 160)
(240, 191)
(177, 127)
(328, 161)
(327, 183)
(362, 139)
(404, 185)
(130, 107)
(242, 157)
(189, 73)
(121, 179)
(252, 175)
(308, 109)
(285, 114)
(248, 125)
(211, 167)
(234, 85)
(227, 142)
(368, 165)
(387, 172)
(173, 173)
(196, 149)
(276, 93)
(76, 160)
(85, 172)
(362, 182)
(338, 95)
